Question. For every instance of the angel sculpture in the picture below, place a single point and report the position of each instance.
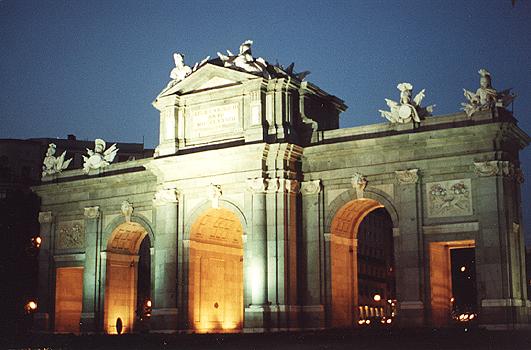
(407, 110)
(99, 158)
(52, 164)
(486, 96)
(245, 60)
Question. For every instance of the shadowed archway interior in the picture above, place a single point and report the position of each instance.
(216, 272)
(343, 256)
(121, 277)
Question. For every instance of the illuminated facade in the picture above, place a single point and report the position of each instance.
(250, 209)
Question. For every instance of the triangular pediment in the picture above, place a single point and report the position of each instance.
(209, 76)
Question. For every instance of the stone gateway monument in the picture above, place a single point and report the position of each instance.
(257, 213)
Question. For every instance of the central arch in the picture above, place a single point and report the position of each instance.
(216, 272)
(344, 250)
(121, 282)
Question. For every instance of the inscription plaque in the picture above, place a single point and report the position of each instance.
(206, 122)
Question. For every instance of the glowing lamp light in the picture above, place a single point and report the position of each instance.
(389, 321)
(463, 268)
(377, 297)
(148, 303)
(452, 299)
(361, 321)
(30, 306)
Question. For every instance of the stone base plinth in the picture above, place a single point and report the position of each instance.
(164, 320)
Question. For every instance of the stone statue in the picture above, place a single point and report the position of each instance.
(53, 165)
(407, 110)
(181, 70)
(486, 97)
(245, 60)
(99, 158)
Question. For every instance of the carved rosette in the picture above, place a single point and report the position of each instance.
(127, 210)
(310, 187)
(407, 177)
(359, 183)
(70, 235)
(92, 212)
(45, 217)
(214, 193)
(165, 196)
(257, 184)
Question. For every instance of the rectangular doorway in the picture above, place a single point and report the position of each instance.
(68, 299)
(452, 280)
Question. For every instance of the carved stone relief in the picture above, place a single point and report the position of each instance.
(127, 210)
(45, 217)
(165, 196)
(498, 168)
(449, 198)
(405, 177)
(214, 193)
(70, 235)
(92, 212)
(310, 187)
(359, 183)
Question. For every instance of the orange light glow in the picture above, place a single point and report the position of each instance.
(30, 306)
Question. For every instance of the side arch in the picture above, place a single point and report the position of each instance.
(119, 220)
(350, 195)
(201, 208)
(342, 221)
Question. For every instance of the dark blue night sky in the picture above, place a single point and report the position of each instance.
(92, 68)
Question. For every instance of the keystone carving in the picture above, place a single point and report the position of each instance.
(214, 193)
(359, 183)
(127, 210)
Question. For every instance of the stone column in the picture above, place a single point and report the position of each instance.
(281, 209)
(409, 250)
(498, 261)
(258, 311)
(164, 315)
(89, 316)
(45, 301)
(310, 256)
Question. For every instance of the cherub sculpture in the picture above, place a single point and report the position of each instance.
(407, 110)
(99, 158)
(486, 97)
(245, 60)
(52, 164)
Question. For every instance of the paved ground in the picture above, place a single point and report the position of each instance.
(425, 339)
